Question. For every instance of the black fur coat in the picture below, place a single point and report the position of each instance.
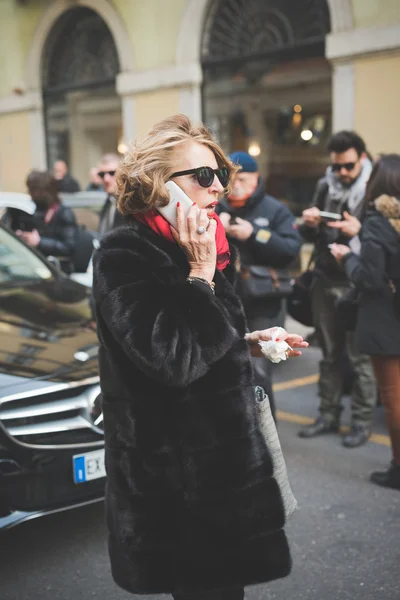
(191, 501)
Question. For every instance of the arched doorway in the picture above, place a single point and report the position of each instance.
(81, 107)
(267, 88)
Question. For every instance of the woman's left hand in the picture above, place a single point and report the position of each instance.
(32, 238)
(339, 251)
(265, 335)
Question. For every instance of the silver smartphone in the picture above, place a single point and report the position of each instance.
(176, 194)
(329, 216)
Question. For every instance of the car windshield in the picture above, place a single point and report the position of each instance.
(18, 263)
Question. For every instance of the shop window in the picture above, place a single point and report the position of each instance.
(82, 108)
(267, 89)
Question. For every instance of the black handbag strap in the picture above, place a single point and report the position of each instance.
(321, 195)
(319, 203)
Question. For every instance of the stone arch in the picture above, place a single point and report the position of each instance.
(189, 38)
(55, 10)
(341, 15)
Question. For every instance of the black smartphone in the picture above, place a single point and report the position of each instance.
(27, 222)
(19, 219)
(233, 221)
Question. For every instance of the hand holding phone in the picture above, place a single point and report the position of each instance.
(201, 256)
(311, 216)
(196, 237)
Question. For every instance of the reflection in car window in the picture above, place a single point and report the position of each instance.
(89, 218)
(87, 207)
(18, 263)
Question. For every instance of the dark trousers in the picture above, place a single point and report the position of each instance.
(227, 594)
(334, 341)
(262, 366)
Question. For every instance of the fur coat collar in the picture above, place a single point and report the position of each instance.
(389, 207)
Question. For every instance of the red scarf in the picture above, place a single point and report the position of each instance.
(157, 223)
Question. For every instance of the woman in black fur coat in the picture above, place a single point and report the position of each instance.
(192, 506)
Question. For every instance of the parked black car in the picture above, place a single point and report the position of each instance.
(51, 439)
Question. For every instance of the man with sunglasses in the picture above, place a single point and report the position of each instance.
(262, 228)
(109, 217)
(341, 191)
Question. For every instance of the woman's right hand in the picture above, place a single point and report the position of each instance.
(200, 248)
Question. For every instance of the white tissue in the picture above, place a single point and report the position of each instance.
(275, 351)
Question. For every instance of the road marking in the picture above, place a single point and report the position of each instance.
(295, 383)
(380, 438)
(377, 438)
(292, 418)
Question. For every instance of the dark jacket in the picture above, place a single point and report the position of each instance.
(110, 220)
(277, 248)
(323, 235)
(57, 238)
(378, 324)
(68, 185)
(191, 500)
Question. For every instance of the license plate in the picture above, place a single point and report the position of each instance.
(88, 466)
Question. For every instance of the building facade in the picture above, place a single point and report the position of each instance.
(275, 77)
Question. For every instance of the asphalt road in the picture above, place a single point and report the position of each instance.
(345, 538)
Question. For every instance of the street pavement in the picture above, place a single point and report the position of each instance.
(345, 537)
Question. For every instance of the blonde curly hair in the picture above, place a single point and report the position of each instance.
(150, 162)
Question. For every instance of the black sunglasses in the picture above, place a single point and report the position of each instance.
(205, 175)
(339, 166)
(102, 174)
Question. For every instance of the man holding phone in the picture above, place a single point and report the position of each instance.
(340, 192)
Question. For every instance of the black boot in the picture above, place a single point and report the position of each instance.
(357, 436)
(319, 427)
(389, 478)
